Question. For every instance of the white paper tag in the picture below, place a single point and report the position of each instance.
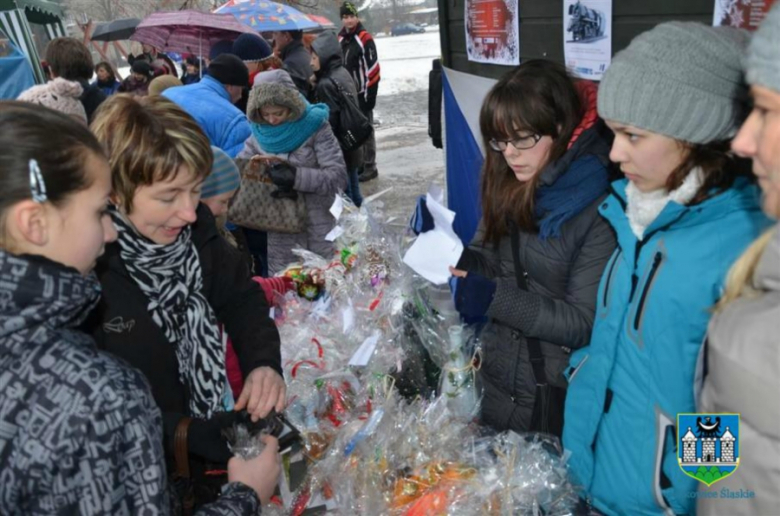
(348, 318)
(334, 233)
(337, 207)
(363, 355)
(436, 250)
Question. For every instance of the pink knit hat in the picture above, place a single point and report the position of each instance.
(59, 95)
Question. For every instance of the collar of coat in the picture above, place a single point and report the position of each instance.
(41, 292)
(741, 196)
(767, 275)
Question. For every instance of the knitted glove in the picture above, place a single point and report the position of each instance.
(421, 220)
(283, 175)
(472, 294)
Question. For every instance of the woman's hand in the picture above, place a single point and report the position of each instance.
(458, 273)
(260, 473)
(264, 389)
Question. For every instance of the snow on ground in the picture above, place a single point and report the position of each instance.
(405, 61)
(406, 159)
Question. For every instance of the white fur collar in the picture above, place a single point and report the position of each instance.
(644, 207)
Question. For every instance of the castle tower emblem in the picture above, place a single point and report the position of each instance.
(708, 448)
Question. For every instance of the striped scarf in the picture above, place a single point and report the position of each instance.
(171, 278)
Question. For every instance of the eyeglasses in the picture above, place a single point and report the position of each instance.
(525, 143)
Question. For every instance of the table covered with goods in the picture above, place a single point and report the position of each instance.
(383, 388)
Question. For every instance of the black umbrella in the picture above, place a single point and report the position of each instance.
(116, 30)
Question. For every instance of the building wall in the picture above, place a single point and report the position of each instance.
(542, 26)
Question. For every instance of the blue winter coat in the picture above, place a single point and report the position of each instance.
(109, 88)
(627, 387)
(208, 102)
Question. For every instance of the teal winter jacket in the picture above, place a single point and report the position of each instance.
(627, 387)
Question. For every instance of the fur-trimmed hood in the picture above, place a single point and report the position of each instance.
(274, 87)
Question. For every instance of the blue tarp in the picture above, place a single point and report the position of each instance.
(16, 74)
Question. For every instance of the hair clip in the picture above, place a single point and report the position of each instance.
(37, 186)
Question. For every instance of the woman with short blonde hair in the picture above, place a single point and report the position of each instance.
(170, 280)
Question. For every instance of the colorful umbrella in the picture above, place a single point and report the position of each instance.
(190, 32)
(263, 15)
(323, 22)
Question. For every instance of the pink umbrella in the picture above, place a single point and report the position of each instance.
(189, 31)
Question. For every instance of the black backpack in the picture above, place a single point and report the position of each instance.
(354, 126)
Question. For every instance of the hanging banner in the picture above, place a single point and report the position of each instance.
(587, 37)
(492, 31)
(744, 14)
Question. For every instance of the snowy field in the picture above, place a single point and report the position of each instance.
(406, 60)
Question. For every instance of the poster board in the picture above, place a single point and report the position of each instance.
(492, 31)
(744, 14)
(587, 37)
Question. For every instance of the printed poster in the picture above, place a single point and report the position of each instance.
(587, 37)
(492, 31)
(745, 14)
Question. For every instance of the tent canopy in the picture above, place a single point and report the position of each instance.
(39, 12)
(16, 16)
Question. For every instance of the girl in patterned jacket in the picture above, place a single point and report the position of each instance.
(79, 429)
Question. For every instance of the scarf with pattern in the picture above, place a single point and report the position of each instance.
(171, 278)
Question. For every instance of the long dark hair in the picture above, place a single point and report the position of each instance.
(719, 168)
(538, 97)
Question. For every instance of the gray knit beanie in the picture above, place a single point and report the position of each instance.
(274, 88)
(680, 79)
(763, 60)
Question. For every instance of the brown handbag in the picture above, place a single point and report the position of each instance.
(254, 207)
(183, 480)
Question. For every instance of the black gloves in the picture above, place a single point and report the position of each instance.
(283, 175)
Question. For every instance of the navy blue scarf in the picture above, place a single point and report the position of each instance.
(585, 181)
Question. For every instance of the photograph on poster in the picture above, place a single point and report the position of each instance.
(744, 14)
(492, 31)
(587, 37)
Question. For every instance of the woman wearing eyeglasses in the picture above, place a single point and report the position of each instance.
(534, 265)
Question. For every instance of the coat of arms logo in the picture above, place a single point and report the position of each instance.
(708, 445)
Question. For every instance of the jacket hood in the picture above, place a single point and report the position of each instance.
(767, 275)
(327, 48)
(590, 137)
(274, 87)
(38, 291)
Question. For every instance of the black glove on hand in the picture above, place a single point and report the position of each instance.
(205, 439)
(283, 175)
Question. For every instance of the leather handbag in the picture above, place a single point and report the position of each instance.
(182, 480)
(194, 482)
(354, 126)
(257, 206)
(549, 401)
